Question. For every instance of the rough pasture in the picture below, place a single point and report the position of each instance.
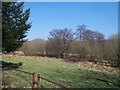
(83, 75)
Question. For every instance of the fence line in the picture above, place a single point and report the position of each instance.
(23, 71)
(37, 82)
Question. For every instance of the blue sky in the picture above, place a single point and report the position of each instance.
(46, 16)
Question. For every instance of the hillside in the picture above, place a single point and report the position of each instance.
(75, 75)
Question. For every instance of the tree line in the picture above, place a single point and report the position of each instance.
(82, 45)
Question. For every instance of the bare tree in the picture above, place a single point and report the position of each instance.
(59, 41)
(98, 36)
(84, 34)
(79, 33)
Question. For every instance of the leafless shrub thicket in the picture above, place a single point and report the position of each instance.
(34, 47)
(111, 51)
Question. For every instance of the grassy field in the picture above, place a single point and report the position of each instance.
(75, 75)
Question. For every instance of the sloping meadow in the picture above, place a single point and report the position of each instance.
(68, 74)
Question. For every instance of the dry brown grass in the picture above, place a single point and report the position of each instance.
(98, 67)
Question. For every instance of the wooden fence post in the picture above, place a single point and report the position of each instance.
(33, 81)
(38, 81)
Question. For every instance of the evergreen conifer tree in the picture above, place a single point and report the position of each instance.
(15, 25)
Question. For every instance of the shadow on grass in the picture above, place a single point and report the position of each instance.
(9, 65)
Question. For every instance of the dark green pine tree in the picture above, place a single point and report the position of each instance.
(15, 25)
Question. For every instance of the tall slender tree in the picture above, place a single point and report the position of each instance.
(15, 25)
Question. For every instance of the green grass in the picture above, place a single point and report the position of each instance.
(65, 73)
